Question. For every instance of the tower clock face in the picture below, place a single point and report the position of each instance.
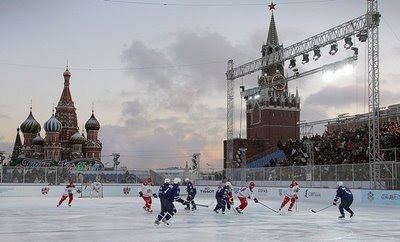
(278, 82)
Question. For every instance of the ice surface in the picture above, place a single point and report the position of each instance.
(123, 219)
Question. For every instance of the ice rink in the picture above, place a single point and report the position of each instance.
(123, 219)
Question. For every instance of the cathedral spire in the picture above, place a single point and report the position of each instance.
(66, 97)
(17, 146)
(272, 38)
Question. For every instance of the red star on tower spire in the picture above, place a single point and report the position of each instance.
(272, 6)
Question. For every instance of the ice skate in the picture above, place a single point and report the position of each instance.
(351, 215)
(341, 217)
(165, 222)
(216, 211)
(238, 210)
(157, 222)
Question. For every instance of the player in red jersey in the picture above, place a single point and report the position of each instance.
(68, 193)
(291, 195)
(243, 194)
(146, 193)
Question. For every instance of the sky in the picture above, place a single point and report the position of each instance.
(156, 72)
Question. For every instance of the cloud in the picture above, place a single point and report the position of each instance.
(3, 116)
(335, 96)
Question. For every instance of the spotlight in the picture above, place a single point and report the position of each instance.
(355, 49)
(362, 36)
(292, 63)
(348, 43)
(306, 58)
(334, 49)
(317, 54)
(257, 96)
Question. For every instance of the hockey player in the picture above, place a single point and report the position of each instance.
(222, 198)
(68, 193)
(243, 194)
(191, 190)
(146, 193)
(291, 195)
(229, 188)
(168, 193)
(346, 199)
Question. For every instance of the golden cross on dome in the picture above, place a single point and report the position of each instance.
(272, 6)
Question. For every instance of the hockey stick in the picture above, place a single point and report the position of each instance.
(267, 207)
(322, 209)
(202, 205)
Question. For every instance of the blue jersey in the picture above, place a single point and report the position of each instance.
(222, 193)
(169, 192)
(344, 194)
(190, 189)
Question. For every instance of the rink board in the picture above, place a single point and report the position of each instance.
(366, 197)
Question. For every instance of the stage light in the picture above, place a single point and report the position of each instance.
(348, 69)
(328, 76)
(257, 96)
(306, 58)
(317, 54)
(348, 43)
(334, 49)
(362, 36)
(355, 49)
(292, 63)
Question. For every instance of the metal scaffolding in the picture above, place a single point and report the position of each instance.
(360, 26)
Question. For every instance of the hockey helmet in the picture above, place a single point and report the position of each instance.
(149, 180)
(177, 180)
(339, 183)
(187, 179)
(294, 183)
(167, 180)
(252, 184)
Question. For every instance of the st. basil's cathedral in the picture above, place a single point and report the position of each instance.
(63, 143)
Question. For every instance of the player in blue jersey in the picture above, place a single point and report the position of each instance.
(346, 199)
(191, 191)
(222, 198)
(168, 193)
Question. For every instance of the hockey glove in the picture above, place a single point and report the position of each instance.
(141, 194)
(248, 197)
(334, 203)
(78, 191)
(155, 195)
(255, 200)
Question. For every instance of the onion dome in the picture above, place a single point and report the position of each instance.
(92, 123)
(52, 125)
(67, 72)
(77, 138)
(38, 140)
(30, 125)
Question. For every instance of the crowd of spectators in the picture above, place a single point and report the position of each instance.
(341, 146)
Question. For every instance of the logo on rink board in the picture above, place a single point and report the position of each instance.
(45, 190)
(262, 190)
(207, 190)
(126, 190)
(309, 194)
(370, 196)
(380, 197)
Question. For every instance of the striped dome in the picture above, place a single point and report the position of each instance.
(92, 123)
(30, 125)
(52, 125)
(77, 138)
(38, 140)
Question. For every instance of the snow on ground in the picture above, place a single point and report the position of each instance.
(123, 219)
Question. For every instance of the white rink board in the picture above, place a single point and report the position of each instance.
(367, 197)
